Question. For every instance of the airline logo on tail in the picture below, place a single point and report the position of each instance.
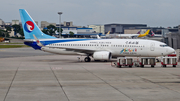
(152, 33)
(29, 26)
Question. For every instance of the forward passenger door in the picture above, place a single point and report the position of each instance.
(152, 46)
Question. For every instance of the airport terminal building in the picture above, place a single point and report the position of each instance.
(173, 39)
(119, 28)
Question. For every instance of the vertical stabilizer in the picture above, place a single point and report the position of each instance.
(30, 27)
(145, 34)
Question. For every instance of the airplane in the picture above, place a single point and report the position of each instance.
(152, 34)
(99, 49)
(138, 35)
(145, 34)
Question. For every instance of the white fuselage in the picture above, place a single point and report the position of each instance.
(117, 47)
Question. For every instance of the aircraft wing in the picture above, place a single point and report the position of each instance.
(81, 50)
(87, 51)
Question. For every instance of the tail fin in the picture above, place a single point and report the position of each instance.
(108, 32)
(30, 27)
(152, 33)
(147, 32)
(139, 32)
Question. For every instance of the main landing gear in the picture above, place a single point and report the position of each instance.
(87, 59)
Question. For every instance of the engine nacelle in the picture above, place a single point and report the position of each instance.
(102, 55)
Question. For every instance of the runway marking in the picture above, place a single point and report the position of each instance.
(56, 68)
(60, 85)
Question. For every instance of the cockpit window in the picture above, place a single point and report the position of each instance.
(163, 45)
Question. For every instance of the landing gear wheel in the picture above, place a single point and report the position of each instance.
(164, 65)
(87, 59)
(119, 66)
(142, 66)
(152, 65)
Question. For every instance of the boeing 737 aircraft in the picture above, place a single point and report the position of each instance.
(99, 49)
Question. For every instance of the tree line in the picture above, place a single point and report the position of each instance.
(50, 30)
(7, 30)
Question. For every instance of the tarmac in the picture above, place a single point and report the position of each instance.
(29, 75)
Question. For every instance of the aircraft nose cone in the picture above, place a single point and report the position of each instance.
(171, 50)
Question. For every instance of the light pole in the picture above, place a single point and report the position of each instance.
(59, 24)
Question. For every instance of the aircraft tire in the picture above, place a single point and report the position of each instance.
(152, 66)
(142, 66)
(174, 65)
(164, 65)
(87, 59)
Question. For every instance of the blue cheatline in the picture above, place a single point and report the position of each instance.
(46, 42)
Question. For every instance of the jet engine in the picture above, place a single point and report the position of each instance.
(102, 55)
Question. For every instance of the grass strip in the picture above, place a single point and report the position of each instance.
(12, 46)
(9, 43)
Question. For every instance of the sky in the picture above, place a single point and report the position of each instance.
(154, 13)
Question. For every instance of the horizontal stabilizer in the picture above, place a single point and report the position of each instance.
(37, 41)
